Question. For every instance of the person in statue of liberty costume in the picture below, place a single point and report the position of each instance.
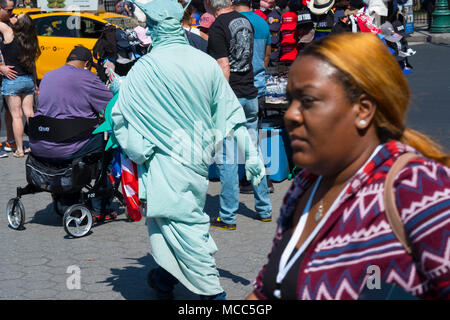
(172, 112)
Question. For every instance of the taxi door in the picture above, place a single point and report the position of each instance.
(58, 34)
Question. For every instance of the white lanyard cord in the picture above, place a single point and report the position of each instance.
(284, 267)
(295, 237)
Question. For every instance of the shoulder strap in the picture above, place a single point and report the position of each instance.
(392, 213)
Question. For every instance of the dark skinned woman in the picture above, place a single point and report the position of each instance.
(346, 122)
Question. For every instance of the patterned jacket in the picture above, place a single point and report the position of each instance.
(357, 234)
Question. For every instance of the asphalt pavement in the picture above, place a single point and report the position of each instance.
(112, 262)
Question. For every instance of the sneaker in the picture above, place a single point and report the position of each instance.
(407, 70)
(411, 52)
(105, 216)
(268, 219)
(10, 147)
(403, 54)
(246, 187)
(217, 223)
(270, 185)
(3, 154)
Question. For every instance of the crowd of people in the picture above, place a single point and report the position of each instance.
(346, 124)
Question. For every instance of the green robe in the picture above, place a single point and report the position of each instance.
(173, 109)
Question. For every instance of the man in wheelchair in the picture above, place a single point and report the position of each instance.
(70, 100)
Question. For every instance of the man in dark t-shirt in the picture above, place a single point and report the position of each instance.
(231, 44)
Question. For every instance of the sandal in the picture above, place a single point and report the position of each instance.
(27, 151)
(17, 154)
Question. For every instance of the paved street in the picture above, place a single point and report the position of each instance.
(115, 258)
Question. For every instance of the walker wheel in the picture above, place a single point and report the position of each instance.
(77, 220)
(15, 213)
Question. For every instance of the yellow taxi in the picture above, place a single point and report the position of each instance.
(29, 11)
(59, 32)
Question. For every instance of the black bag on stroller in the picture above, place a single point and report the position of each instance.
(59, 178)
(52, 178)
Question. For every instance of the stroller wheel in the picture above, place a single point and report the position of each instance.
(15, 213)
(77, 220)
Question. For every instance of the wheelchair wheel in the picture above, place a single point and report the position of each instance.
(15, 213)
(77, 220)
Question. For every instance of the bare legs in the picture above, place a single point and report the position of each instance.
(8, 124)
(19, 106)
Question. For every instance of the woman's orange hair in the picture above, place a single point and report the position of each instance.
(365, 65)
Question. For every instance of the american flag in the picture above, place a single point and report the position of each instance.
(130, 188)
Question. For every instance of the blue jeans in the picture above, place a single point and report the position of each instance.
(22, 85)
(228, 172)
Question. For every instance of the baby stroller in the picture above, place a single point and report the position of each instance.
(74, 176)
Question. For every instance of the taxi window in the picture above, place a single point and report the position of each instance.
(90, 28)
(54, 26)
(125, 23)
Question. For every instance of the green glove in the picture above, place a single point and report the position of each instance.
(254, 165)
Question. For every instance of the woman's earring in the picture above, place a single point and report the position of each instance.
(362, 122)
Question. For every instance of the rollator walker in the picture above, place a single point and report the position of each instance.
(85, 175)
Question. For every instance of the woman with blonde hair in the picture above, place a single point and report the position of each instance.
(346, 122)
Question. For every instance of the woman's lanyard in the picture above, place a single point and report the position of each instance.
(284, 266)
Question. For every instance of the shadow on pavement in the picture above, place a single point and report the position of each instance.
(212, 207)
(131, 281)
(46, 216)
(234, 278)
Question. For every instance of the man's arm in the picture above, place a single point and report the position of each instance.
(217, 48)
(7, 71)
(224, 64)
(98, 93)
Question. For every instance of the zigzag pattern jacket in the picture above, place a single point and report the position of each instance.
(357, 234)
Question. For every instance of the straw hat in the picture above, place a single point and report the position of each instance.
(319, 7)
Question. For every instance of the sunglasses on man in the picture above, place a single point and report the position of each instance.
(8, 10)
